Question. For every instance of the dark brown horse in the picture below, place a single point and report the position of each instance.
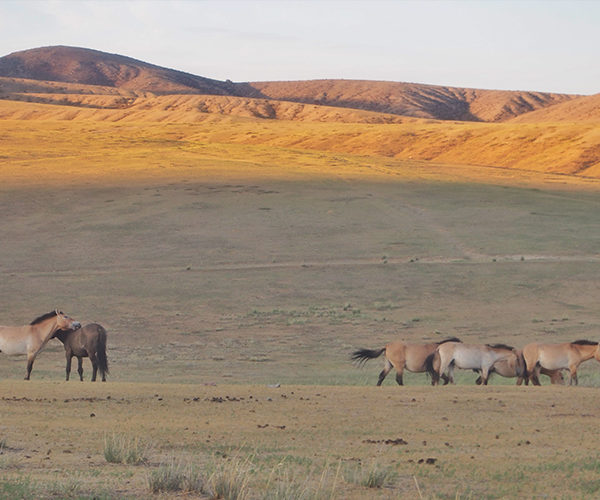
(87, 342)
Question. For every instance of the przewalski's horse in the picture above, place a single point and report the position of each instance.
(88, 341)
(468, 357)
(31, 339)
(401, 356)
(565, 356)
(514, 366)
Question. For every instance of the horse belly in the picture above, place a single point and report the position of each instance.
(467, 360)
(553, 362)
(12, 348)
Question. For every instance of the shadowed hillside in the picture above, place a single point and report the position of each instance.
(412, 99)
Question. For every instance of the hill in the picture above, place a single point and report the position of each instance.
(72, 65)
(581, 109)
(412, 99)
(93, 67)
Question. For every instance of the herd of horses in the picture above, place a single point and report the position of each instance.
(439, 359)
(88, 341)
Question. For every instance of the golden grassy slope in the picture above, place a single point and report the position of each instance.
(571, 148)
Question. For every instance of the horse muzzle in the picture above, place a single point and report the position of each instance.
(76, 325)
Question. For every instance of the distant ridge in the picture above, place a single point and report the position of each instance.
(83, 66)
(413, 99)
(93, 67)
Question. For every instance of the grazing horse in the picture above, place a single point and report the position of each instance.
(469, 357)
(514, 366)
(565, 356)
(31, 339)
(400, 355)
(88, 341)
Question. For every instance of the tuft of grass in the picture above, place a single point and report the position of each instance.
(177, 476)
(121, 449)
(373, 476)
(229, 480)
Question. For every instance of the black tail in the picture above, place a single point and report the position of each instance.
(364, 355)
(101, 352)
(435, 378)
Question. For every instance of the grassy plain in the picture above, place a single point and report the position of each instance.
(221, 267)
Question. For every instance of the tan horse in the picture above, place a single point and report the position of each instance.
(565, 356)
(468, 357)
(514, 366)
(31, 339)
(401, 356)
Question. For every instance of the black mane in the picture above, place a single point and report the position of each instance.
(584, 342)
(451, 339)
(43, 317)
(501, 346)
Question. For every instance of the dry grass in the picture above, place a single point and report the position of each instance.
(459, 440)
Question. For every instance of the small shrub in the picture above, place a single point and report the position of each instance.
(120, 449)
(176, 476)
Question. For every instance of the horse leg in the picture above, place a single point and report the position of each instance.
(484, 375)
(535, 375)
(573, 375)
(80, 368)
(386, 369)
(451, 372)
(399, 376)
(30, 359)
(68, 367)
(94, 361)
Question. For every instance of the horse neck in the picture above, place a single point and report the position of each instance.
(586, 351)
(46, 328)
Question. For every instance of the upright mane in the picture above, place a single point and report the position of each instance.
(43, 317)
(501, 346)
(451, 339)
(584, 342)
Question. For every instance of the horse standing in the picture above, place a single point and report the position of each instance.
(88, 341)
(469, 357)
(565, 356)
(31, 339)
(401, 356)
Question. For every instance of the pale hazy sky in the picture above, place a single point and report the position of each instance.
(540, 45)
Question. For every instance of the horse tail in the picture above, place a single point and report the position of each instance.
(101, 351)
(430, 368)
(364, 355)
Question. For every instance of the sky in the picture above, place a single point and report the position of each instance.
(539, 45)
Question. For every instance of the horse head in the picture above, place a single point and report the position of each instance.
(64, 322)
